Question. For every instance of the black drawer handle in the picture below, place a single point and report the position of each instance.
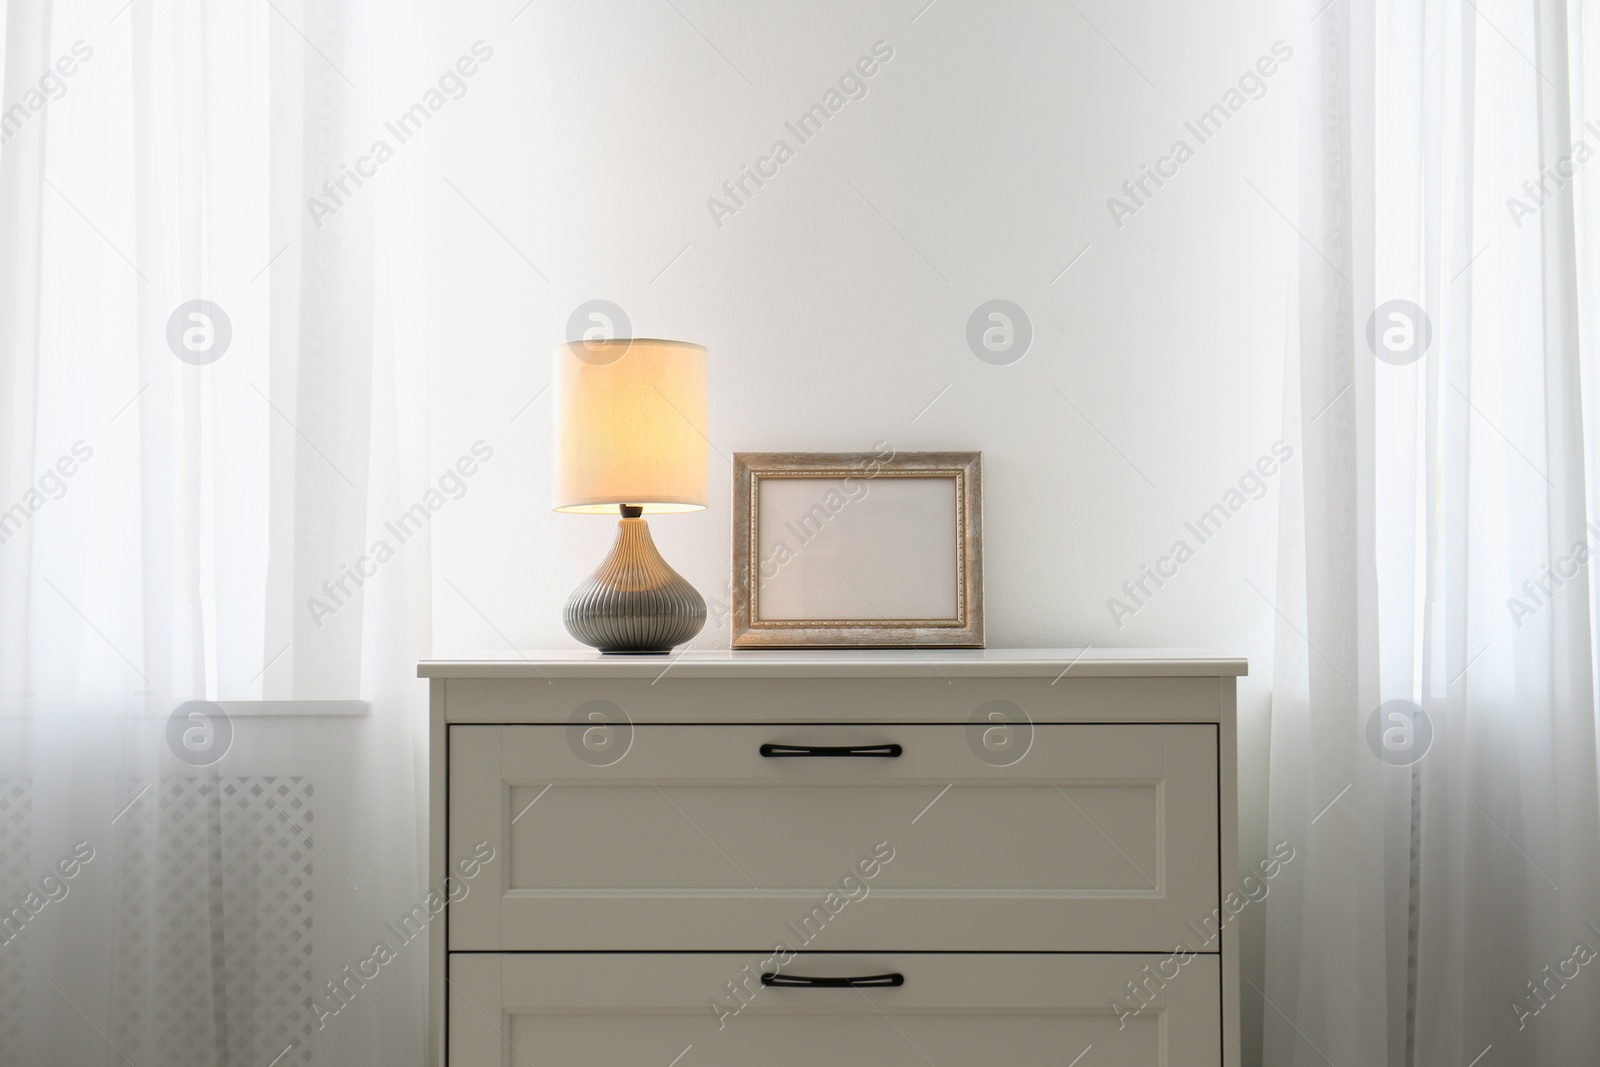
(812, 751)
(800, 982)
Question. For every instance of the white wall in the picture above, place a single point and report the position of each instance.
(835, 302)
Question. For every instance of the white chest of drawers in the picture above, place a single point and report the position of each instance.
(958, 858)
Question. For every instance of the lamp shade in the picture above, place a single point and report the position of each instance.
(630, 426)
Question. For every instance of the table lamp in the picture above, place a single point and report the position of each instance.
(631, 439)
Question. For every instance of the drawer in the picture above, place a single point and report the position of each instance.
(972, 1010)
(1101, 838)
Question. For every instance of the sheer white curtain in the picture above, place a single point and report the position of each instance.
(1436, 543)
(177, 481)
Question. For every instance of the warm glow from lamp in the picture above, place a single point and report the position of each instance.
(630, 426)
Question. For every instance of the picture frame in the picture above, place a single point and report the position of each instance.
(857, 549)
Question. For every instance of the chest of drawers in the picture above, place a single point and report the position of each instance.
(957, 858)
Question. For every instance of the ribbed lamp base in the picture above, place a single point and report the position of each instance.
(634, 602)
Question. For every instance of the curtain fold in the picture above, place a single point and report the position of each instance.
(207, 413)
(1434, 707)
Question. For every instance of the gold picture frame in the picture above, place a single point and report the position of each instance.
(917, 547)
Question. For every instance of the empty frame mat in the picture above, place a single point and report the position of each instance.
(858, 549)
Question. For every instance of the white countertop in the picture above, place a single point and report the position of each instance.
(851, 663)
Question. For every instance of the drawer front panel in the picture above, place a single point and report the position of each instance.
(710, 1010)
(1095, 838)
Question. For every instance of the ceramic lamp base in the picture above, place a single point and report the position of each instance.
(634, 602)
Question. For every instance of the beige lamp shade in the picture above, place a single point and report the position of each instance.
(630, 426)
